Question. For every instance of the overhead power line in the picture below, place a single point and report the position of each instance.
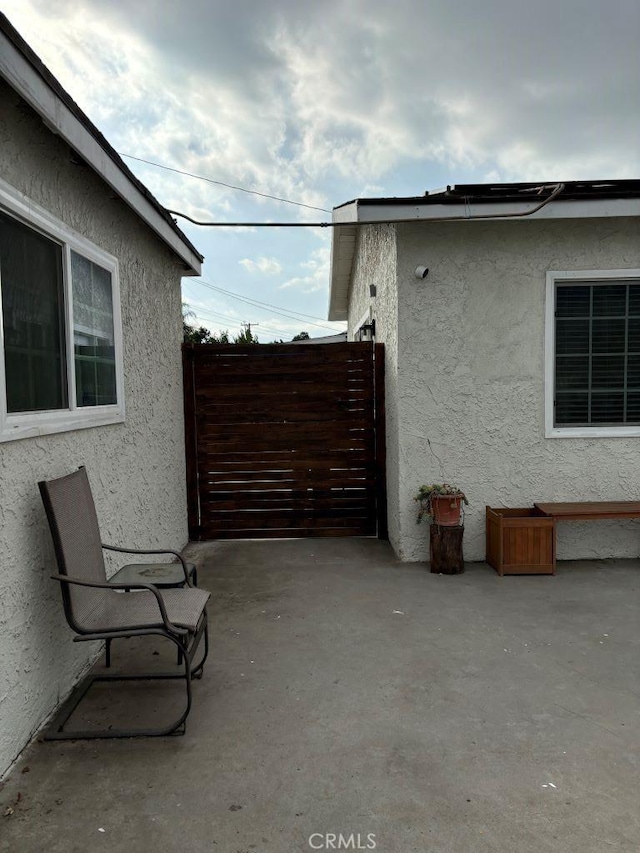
(267, 224)
(556, 189)
(257, 301)
(290, 315)
(234, 323)
(223, 184)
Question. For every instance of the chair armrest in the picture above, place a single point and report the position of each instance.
(162, 551)
(114, 586)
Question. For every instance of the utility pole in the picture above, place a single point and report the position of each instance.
(246, 335)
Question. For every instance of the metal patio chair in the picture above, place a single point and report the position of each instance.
(98, 610)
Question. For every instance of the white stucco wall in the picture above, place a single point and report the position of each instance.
(136, 468)
(375, 263)
(471, 378)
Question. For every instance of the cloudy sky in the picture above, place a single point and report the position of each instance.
(322, 102)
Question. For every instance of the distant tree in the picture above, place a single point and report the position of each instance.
(200, 335)
(191, 335)
(301, 336)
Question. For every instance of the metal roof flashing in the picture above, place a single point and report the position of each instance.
(22, 69)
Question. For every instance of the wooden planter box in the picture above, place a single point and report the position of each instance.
(520, 541)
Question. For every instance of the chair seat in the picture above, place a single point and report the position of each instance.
(116, 611)
(162, 575)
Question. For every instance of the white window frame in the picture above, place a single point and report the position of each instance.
(31, 424)
(554, 278)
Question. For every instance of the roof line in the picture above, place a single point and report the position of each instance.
(56, 122)
(496, 193)
(568, 200)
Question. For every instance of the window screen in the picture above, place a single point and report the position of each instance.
(32, 319)
(597, 357)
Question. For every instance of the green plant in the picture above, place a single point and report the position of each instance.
(426, 493)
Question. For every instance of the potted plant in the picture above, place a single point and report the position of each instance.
(441, 503)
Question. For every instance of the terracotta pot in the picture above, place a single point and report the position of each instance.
(447, 510)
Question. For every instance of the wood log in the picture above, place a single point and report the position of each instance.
(446, 549)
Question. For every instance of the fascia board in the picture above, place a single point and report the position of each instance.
(579, 209)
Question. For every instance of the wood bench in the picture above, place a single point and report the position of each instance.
(587, 511)
(523, 540)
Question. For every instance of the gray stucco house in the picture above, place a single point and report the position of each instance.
(513, 364)
(90, 271)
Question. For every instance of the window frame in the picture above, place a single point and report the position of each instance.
(17, 425)
(554, 278)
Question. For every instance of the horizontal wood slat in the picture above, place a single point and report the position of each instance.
(269, 443)
(285, 440)
(318, 430)
(321, 352)
(250, 371)
(300, 413)
(223, 463)
(352, 504)
(300, 520)
(207, 532)
(340, 395)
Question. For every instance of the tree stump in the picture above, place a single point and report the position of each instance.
(446, 550)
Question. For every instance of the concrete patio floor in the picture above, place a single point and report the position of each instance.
(349, 693)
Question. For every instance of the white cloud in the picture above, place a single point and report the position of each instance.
(289, 98)
(322, 102)
(268, 266)
(317, 277)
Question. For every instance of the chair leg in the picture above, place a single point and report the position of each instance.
(194, 578)
(56, 730)
(196, 672)
(107, 653)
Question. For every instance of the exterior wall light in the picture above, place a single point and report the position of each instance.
(421, 272)
(372, 291)
(367, 331)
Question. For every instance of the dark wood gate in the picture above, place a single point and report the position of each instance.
(285, 440)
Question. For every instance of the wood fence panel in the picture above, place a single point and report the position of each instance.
(285, 440)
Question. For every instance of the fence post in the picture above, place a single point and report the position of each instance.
(381, 442)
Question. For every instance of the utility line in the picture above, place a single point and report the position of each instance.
(234, 326)
(233, 323)
(267, 224)
(556, 190)
(222, 184)
(257, 302)
(265, 307)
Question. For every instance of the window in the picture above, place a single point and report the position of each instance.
(61, 365)
(593, 353)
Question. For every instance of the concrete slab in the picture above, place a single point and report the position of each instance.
(347, 693)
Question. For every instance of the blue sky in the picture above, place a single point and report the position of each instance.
(322, 102)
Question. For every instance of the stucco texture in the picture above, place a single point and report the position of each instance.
(375, 263)
(136, 468)
(469, 393)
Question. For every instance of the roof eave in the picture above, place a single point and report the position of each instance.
(84, 138)
(348, 217)
(407, 210)
(343, 247)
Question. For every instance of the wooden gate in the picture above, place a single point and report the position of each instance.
(285, 440)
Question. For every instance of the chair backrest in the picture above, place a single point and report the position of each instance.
(72, 518)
